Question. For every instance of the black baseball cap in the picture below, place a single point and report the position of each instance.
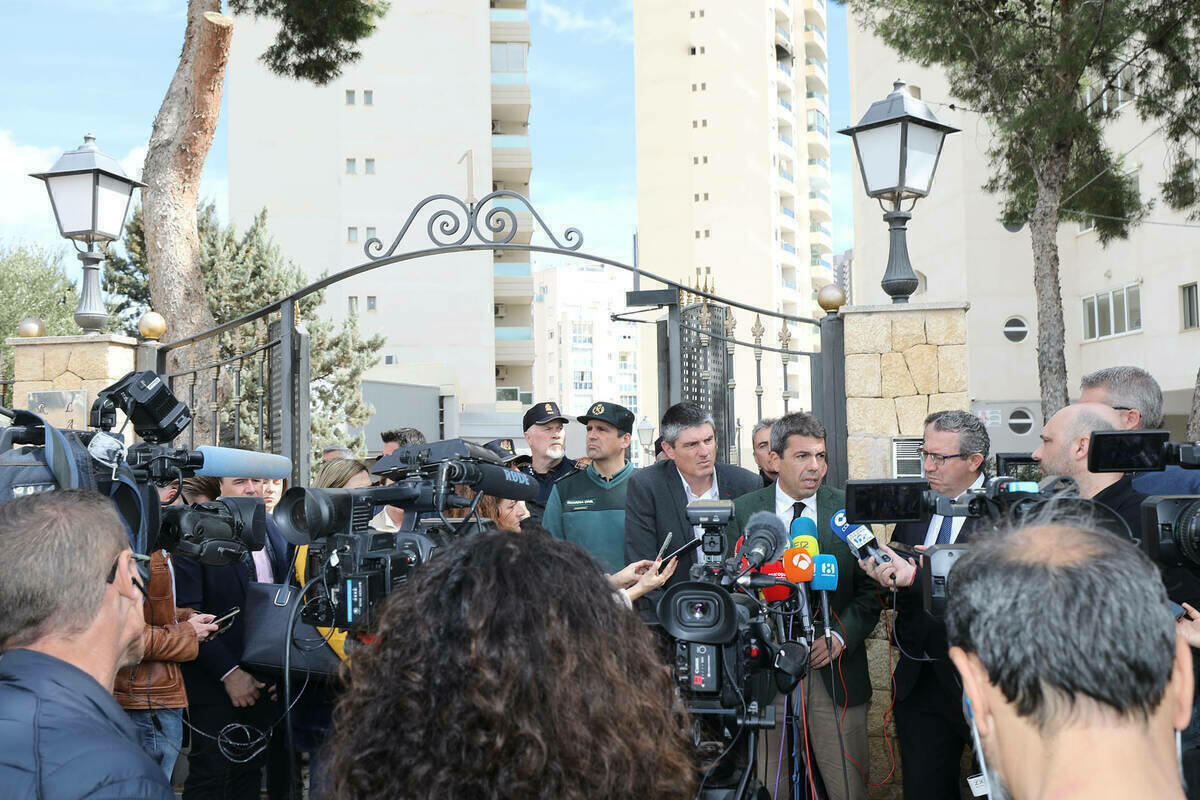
(506, 450)
(541, 413)
(619, 417)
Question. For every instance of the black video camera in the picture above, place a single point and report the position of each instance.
(359, 566)
(1170, 523)
(217, 533)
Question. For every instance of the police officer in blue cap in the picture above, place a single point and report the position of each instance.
(545, 431)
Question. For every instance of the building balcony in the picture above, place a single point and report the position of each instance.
(821, 275)
(784, 68)
(783, 9)
(788, 248)
(820, 240)
(817, 101)
(785, 104)
(787, 176)
(515, 289)
(787, 212)
(816, 76)
(820, 209)
(509, 25)
(524, 218)
(514, 346)
(787, 257)
(818, 173)
(787, 140)
(814, 43)
(818, 141)
(510, 96)
(814, 13)
(512, 159)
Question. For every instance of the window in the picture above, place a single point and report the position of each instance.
(369, 165)
(703, 87)
(906, 457)
(368, 97)
(1087, 225)
(706, 195)
(695, 124)
(1112, 313)
(707, 233)
(693, 87)
(701, 50)
(349, 97)
(351, 166)
(352, 234)
(389, 359)
(696, 198)
(1191, 306)
(1016, 329)
(371, 302)
(702, 13)
(1020, 421)
(691, 51)
(510, 57)
(352, 304)
(703, 123)
(704, 159)
(508, 394)
(697, 234)
(370, 233)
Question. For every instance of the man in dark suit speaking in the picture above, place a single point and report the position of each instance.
(658, 496)
(798, 455)
(929, 718)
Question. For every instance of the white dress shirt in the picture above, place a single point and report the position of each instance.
(711, 494)
(785, 508)
(935, 522)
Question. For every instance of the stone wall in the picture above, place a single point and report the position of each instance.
(903, 362)
(51, 363)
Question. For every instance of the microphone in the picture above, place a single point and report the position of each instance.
(798, 565)
(229, 462)
(760, 581)
(494, 480)
(860, 540)
(765, 539)
(802, 527)
(825, 580)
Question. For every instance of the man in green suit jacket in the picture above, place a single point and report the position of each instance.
(798, 452)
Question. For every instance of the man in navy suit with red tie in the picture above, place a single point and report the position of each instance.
(929, 718)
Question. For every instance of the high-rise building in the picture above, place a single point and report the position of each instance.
(1131, 303)
(733, 166)
(584, 356)
(438, 103)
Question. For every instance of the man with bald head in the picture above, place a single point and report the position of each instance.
(1066, 439)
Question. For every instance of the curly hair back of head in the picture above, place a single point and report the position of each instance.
(502, 669)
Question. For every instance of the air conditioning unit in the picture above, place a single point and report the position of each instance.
(906, 458)
(499, 310)
(501, 373)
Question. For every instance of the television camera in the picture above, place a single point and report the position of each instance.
(356, 567)
(730, 651)
(35, 457)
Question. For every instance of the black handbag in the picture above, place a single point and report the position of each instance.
(268, 609)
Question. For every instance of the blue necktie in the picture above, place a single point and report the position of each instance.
(944, 531)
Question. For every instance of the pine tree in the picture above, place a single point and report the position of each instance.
(33, 283)
(242, 273)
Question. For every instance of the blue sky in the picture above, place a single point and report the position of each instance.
(107, 71)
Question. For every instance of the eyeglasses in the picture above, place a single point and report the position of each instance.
(135, 557)
(1121, 408)
(937, 458)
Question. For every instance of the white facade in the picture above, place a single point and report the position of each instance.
(583, 356)
(339, 164)
(733, 168)
(962, 252)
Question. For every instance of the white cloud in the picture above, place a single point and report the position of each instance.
(25, 213)
(600, 28)
(134, 161)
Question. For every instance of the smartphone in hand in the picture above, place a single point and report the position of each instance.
(687, 548)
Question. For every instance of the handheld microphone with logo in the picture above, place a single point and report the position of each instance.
(860, 540)
(825, 580)
(230, 462)
(804, 535)
(765, 539)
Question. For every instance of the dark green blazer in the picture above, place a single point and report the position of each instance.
(855, 603)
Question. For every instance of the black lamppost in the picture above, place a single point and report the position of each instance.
(898, 142)
(90, 195)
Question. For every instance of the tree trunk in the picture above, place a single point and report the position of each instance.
(183, 132)
(1043, 227)
(1193, 428)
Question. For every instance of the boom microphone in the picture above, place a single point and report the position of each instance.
(765, 539)
(230, 462)
(494, 480)
(860, 540)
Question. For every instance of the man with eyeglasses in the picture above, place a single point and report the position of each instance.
(929, 719)
(72, 601)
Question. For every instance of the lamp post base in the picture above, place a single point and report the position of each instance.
(899, 281)
(91, 314)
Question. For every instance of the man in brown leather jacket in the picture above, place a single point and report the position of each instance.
(152, 691)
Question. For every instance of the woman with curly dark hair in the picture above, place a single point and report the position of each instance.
(504, 668)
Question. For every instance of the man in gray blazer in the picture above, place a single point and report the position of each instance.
(658, 496)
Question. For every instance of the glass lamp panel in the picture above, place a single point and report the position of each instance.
(879, 154)
(923, 145)
(112, 201)
(72, 198)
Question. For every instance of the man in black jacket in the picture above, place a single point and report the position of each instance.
(929, 720)
(72, 603)
(658, 496)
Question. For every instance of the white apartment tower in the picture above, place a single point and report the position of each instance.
(733, 166)
(438, 103)
(1132, 303)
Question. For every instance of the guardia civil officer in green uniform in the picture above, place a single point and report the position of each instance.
(588, 506)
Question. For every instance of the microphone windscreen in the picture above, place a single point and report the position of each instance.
(808, 543)
(229, 462)
(825, 573)
(803, 526)
(764, 526)
(798, 565)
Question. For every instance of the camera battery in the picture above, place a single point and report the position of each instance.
(355, 608)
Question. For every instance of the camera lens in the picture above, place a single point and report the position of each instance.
(299, 517)
(698, 611)
(1187, 531)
